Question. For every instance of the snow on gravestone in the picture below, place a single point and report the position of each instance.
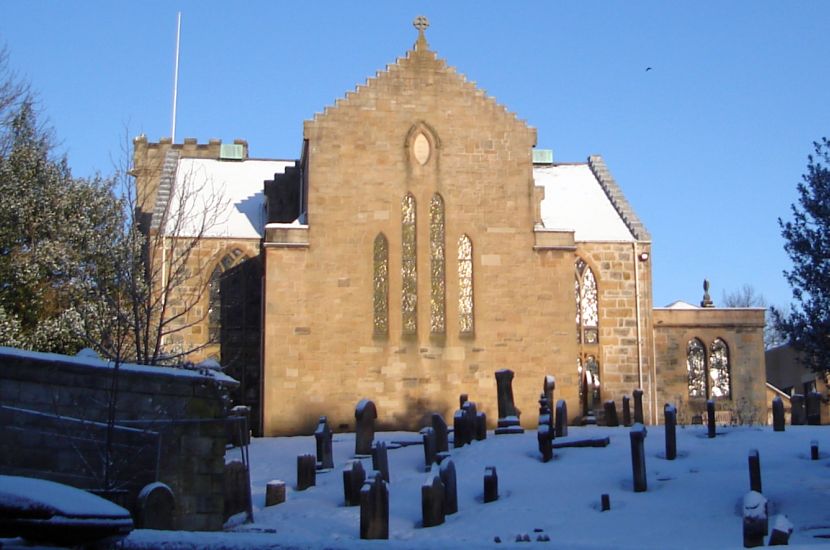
(638, 457)
(754, 519)
(155, 505)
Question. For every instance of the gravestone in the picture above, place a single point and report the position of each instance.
(461, 435)
(353, 478)
(710, 420)
(561, 418)
(463, 398)
(432, 501)
(430, 449)
(481, 426)
(441, 457)
(755, 523)
(380, 460)
(509, 414)
(777, 414)
(237, 490)
(306, 472)
(448, 478)
(548, 386)
(813, 450)
(638, 457)
(155, 506)
(274, 492)
(798, 416)
(611, 419)
(545, 414)
(605, 503)
(491, 484)
(322, 435)
(754, 460)
(544, 436)
(471, 411)
(781, 529)
(638, 406)
(441, 436)
(670, 421)
(365, 414)
(374, 508)
(813, 408)
(626, 409)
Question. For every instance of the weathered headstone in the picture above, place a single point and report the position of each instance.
(611, 419)
(461, 435)
(798, 416)
(777, 414)
(781, 529)
(237, 489)
(471, 411)
(626, 410)
(545, 413)
(755, 523)
(670, 421)
(463, 398)
(380, 460)
(754, 460)
(441, 433)
(481, 426)
(710, 420)
(365, 414)
(306, 472)
(638, 406)
(638, 457)
(561, 418)
(274, 492)
(605, 502)
(548, 386)
(374, 508)
(814, 450)
(155, 505)
(814, 408)
(448, 478)
(353, 477)
(428, 435)
(491, 484)
(508, 422)
(322, 435)
(432, 501)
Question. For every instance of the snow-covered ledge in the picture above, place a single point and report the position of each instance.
(553, 239)
(286, 235)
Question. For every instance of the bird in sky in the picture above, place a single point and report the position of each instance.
(648, 69)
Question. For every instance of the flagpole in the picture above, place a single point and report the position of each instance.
(176, 77)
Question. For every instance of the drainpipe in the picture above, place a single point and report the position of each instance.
(637, 313)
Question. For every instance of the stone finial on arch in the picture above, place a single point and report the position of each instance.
(422, 143)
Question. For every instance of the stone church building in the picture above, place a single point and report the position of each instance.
(420, 244)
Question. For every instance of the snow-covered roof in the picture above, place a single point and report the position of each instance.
(236, 186)
(576, 200)
(680, 304)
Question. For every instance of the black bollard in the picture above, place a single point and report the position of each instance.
(777, 414)
(638, 457)
(755, 471)
(670, 418)
(491, 484)
(710, 412)
(638, 406)
(626, 410)
(605, 502)
(813, 450)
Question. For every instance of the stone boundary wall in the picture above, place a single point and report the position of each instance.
(53, 421)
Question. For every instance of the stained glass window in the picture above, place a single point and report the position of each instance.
(719, 375)
(409, 267)
(381, 284)
(437, 267)
(215, 291)
(465, 285)
(587, 309)
(696, 368)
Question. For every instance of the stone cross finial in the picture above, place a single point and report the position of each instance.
(421, 23)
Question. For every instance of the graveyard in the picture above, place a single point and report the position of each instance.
(693, 501)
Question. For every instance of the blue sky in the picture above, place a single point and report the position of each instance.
(708, 145)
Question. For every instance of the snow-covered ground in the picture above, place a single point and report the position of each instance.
(691, 502)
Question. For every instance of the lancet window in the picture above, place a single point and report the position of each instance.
(381, 285)
(587, 309)
(709, 376)
(409, 266)
(696, 368)
(465, 285)
(229, 260)
(719, 371)
(437, 265)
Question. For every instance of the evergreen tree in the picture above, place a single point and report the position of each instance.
(57, 243)
(807, 239)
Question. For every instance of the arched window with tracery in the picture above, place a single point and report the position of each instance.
(466, 306)
(381, 285)
(228, 261)
(587, 306)
(437, 266)
(696, 368)
(719, 370)
(409, 266)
